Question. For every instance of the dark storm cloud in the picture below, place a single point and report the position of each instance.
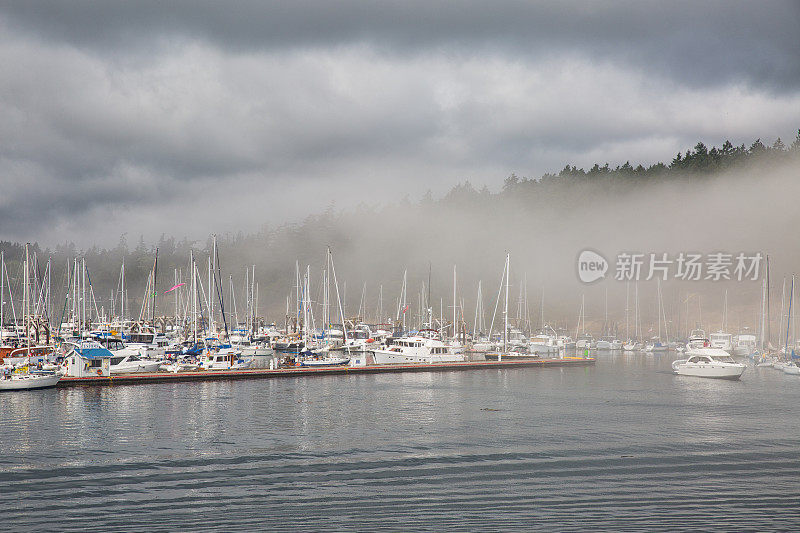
(702, 43)
(193, 117)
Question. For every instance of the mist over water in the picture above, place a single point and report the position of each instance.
(544, 227)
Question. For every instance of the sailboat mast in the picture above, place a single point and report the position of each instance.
(788, 321)
(505, 312)
(627, 302)
(2, 293)
(194, 296)
(454, 302)
(26, 303)
(155, 291)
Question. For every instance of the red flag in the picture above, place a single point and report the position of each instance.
(175, 287)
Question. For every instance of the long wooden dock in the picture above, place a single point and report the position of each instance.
(166, 377)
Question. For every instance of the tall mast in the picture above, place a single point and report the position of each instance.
(725, 312)
(627, 302)
(26, 303)
(769, 333)
(338, 299)
(122, 294)
(636, 325)
(505, 312)
(788, 321)
(454, 302)
(2, 293)
(404, 299)
(210, 302)
(83, 295)
(658, 309)
(155, 291)
(478, 310)
(194, 295)
(297, 295)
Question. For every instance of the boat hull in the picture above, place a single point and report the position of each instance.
(322, 363)
(732, 372)
(382, 357)
(511, 357)
(139, 367)
(29, 382)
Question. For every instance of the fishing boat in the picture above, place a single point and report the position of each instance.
(708, 363)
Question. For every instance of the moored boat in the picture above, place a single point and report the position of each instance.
(708, 363)
(28, 380)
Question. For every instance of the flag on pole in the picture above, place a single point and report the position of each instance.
(175, 287)
(405, 309)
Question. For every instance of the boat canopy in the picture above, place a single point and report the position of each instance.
(91, 350)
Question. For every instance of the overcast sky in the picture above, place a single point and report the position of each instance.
(195, 117)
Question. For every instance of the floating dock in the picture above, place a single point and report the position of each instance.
(206, 375)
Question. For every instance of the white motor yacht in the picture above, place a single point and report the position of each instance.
(708, 363)
(132, 364)
(723, 341)
(224, 359)
(745, 346)
(514, 353)
(697, 339)
(543, 344)
(416, 349)
(790, 367)
(584, 341)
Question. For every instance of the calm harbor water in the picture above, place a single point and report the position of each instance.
(623, 445)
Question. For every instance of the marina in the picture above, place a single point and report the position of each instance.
(310, 267)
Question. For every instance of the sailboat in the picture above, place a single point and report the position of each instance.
(655, 344)
(20, 376)
(519, 351)
(721, 339)
(788, 365)
(323, 356)
(583, 340)
(632, 344)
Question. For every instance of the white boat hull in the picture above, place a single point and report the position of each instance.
(709, 370)
(29, 381)
(135, 367)
(384, 357)
(327, 362)
(791, 369)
